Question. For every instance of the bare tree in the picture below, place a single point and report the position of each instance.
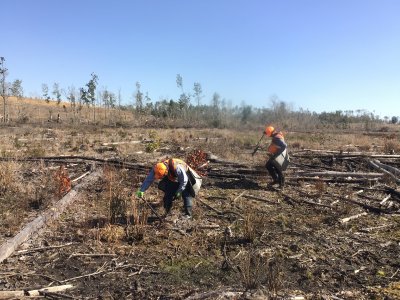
(215, 105)
(184, 98)
(3, 74)
(138, 98)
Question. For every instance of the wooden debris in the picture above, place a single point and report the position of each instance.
(379, 168)
(393, 170)
(121, 143)
(100, 271)
(51, 214)
(260, 199)
(345, 220)
(208, 226)
(384, 200)
(311, 152)
(340, 174)
(80, 177)
(91, 254)
(26, 251)
(365, 206)
(209, 206)
(217, 294)
(37, 292)
(240, 195)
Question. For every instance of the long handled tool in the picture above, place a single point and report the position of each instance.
(152, 209)
(258, 145)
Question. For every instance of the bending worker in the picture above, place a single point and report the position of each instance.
(278, 156)
(173, 174)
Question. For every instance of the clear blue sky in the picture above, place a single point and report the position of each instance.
(321, 55)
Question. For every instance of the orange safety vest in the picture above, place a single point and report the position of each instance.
(274, 148)
(172, 164)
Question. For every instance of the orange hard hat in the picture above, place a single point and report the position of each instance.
(160, 170)
(269, 130)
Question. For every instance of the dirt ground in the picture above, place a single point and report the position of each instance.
(245, 241)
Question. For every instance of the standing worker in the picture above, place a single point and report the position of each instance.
(175, 183)
(278, 156)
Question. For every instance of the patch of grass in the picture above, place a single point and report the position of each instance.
(282, 221)
(320, 187)
(35, 151)
(256, 270)
(153, 146)
(112, 233)
(391, 146)
(122, 133)
(295, 145)
(190, 270)
(9, 177)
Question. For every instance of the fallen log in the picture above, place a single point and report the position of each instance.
(393, 192)
(51, 214)
(121, 143)
(365, 206)
(336, 180)
(81, 159)
(289, 198)
(340, 174)
(36, 292)
(393, 170)
(307, 152)
(215, 159)
(379, 168)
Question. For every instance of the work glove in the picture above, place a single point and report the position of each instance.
(139, 193)
(178, 195)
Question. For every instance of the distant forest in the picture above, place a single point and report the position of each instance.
(89, 104)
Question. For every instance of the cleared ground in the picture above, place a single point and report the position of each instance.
(244, 235)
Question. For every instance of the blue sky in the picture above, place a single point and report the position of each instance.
(321, 55)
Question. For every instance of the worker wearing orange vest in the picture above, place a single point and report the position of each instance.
(174, 182)
(276, 148)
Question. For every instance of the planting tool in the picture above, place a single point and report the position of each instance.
(152, 209)
(258, 144)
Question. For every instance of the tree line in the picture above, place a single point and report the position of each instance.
(187, 110)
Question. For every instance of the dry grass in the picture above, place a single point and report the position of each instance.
(123, 209)
(256, 270)
(37, 110)
(116, 194)
(320, 187)
(11, 207)
(391, 146)
(140, 213)
(9, 177)
(111, 233)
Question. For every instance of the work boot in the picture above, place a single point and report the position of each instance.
(167, 210)
(282, 182)
(271, 184)
(188, 212)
